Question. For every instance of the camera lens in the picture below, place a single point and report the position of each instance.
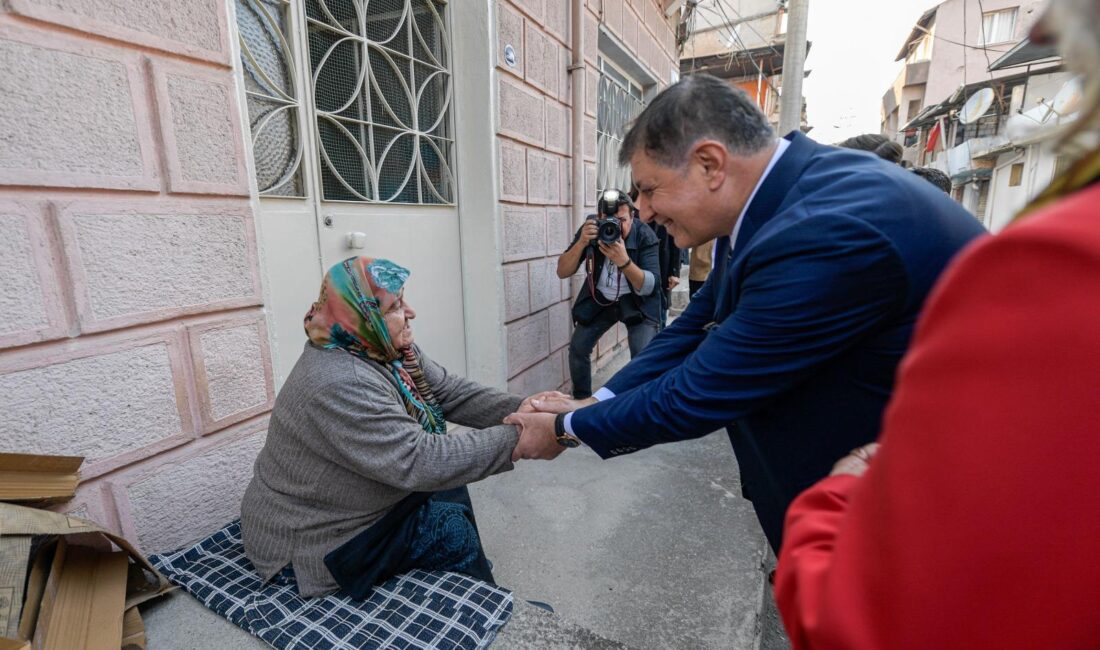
(609, 231)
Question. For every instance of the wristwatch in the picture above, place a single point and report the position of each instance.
(564, 438)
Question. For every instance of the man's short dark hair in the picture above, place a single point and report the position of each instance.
(696, 108)
(935, 177)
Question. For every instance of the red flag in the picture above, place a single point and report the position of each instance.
(933, 137)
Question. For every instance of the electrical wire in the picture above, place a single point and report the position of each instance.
(948, 40)
(734, 36)
(985, 39)
(742, 21)
(964, 38)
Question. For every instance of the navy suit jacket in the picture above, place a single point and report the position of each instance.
(835, 256)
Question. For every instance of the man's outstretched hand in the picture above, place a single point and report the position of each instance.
(527, 405)
(536, 436)
(552, 401)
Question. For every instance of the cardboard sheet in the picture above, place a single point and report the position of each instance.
(82, 607)
(38, 480)
(78, 593)
(133, 630)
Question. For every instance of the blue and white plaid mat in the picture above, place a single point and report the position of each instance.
(419, 609)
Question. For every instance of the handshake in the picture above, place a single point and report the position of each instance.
(535, 420)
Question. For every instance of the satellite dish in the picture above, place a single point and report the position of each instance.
(977, 105)
(1028, 124)
(1068, 98)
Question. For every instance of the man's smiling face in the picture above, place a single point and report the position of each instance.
(685, 200)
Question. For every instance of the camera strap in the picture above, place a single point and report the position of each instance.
(590, 264)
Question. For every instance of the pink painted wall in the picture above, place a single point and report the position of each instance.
(534, 138)
(131, 329)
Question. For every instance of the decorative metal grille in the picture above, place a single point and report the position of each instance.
(382, 94)
(618, 102)
(271, 88)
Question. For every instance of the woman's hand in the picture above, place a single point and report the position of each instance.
(857, 462)
(615, 252)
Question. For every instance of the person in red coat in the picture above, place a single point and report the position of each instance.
(976, 524)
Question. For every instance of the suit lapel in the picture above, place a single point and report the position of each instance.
(764, 205)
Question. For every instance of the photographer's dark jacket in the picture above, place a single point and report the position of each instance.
(641, 247)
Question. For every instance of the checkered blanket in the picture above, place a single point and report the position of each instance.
(420, 609)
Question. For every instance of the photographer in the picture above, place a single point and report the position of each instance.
(622, 266)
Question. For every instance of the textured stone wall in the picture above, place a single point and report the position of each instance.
(131, 329)
(534, 138)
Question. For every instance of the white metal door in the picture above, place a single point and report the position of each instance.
(365, 103)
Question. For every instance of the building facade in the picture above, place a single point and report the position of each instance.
(951, 58)
(741, 41)
(176, 177)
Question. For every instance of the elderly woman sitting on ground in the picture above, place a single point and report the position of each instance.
(359, 480)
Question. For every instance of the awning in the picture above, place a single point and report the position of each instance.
(1024, 53)
(737, 64)
(919, 30)
(964, 177)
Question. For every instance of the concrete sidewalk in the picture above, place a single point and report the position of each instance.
(656, 550)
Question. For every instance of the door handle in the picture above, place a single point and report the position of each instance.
(357, 240)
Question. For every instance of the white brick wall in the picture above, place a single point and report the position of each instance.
(99, 406)
(535, 147)
(185, 499)
(138, 262)
(129, 324)
(21, 293)
(87, 127)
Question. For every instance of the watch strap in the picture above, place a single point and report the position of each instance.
(564, 438)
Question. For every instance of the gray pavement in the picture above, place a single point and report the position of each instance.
(656, 549)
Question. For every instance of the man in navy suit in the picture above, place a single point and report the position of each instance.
(823, 260)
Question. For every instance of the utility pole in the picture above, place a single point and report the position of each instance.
(794, 66)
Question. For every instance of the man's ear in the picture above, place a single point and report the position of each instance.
(711, 159)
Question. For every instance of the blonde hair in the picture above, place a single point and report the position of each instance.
(1076, 25)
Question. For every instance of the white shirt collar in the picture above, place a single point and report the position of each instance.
(780, 147)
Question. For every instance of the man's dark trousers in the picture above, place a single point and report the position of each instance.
(584, 341)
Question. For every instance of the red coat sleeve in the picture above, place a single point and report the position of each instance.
(978, 523)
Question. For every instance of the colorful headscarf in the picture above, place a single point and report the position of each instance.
(348, 315)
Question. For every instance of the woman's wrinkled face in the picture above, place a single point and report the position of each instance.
(398, 323)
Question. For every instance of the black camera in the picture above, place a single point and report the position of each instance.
(608, 228)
